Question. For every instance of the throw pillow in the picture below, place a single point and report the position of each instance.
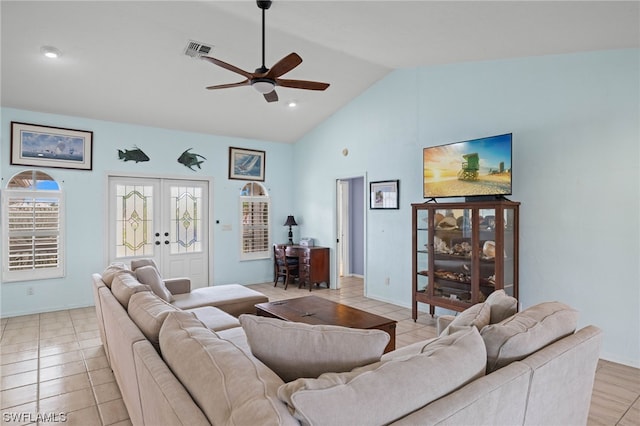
(526, 332)
(149, 275)
(295, 350)
(112, 270)
(477, 315)
(138, 263)
(230, 386)
(386, 391)
(502, 306)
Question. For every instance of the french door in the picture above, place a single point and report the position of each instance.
(163, 219)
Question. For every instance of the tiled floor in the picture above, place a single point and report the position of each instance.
(54, 364)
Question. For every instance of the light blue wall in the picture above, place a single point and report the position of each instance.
(85, 211)
(575, 121)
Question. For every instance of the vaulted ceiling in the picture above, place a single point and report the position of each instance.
(124, 61)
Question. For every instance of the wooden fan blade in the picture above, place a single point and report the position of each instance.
(271, 96)
(226, 86)
(302, 84)
(284, 65)
(227, 66)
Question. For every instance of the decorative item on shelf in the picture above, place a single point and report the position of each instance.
(290, 222)
(189, 159)
(135, 154)
(306, 242)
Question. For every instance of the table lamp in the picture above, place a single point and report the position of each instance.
(290, 222)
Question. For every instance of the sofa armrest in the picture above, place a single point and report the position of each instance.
(443, 322)
(178, 285)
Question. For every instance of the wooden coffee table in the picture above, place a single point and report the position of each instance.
(316, 310)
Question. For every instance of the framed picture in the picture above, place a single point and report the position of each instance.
(384, 194)
(246, 164)
(45, 146)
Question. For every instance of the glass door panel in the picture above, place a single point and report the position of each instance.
(453, 246)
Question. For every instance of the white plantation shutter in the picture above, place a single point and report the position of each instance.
(32, 232)
(255, 223)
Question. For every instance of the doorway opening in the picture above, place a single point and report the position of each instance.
(350, 240)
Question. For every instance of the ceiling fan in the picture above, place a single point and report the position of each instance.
(264, 79)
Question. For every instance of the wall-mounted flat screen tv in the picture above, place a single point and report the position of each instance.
(477, 167)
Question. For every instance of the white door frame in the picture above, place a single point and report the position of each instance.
(209, 233)
(343, 222)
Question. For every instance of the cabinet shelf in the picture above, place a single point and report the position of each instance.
(469, 261)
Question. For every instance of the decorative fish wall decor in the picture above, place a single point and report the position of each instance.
(190, 159)
(132, 155)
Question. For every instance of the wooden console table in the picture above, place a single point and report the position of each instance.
(314, 264)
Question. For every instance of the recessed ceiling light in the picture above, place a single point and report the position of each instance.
(50, 52)
(292, 104)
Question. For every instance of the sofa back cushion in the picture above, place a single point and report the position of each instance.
(477, 315)
(502, 306)
(148, 311)
(385, 391)
(112, 270)
(295, 350)
(149, 275)
(526, 332)
(228, 385)
(124, 286)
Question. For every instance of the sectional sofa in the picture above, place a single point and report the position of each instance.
(201, 365)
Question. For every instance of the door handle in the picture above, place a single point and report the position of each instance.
(157, 243)
(166, 234)
(166, 241)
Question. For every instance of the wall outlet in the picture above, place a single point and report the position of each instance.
(387, 281)
(29, 291)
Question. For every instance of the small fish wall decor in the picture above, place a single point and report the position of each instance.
(135, 154)
(190, 159)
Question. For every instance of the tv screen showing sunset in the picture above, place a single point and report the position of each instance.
(469, 168)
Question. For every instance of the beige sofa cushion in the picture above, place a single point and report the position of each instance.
(229, 387)
(124, 286)
(295, 350)
(149, 275)
(148, 311)
(138, 263)
(502, 306)
(112, 270)
(385, 391)
(526, 332)
(477, 315)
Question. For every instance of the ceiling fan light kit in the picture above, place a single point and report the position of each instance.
(265, 80)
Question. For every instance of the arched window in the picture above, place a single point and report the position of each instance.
(255, 222)
(32, 227)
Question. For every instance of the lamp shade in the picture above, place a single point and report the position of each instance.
(290, 221)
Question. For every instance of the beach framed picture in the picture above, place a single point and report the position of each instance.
(384, 194)
(45, 146)
(246, 164)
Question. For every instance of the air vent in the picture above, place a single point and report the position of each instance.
(195, 49)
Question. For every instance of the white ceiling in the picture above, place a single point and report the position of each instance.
(125, 62)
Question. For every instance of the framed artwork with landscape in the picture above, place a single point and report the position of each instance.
(46, 146)
(384, 194)
(246, 164)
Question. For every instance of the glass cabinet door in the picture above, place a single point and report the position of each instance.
(422, 250)
(488, 246)
(510, 255)
(452, 252)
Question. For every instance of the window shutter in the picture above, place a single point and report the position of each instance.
(32, 232)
